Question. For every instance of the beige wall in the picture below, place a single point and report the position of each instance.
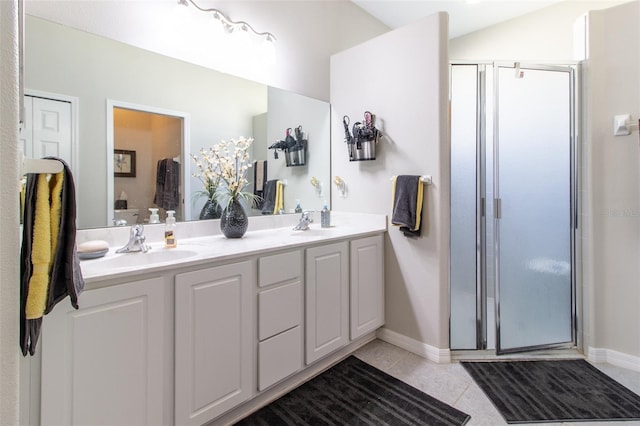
(612, 214)
(406, 88)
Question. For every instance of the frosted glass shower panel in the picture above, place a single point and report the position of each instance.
(464, 112)
(533, 160)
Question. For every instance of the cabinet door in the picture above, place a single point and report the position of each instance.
(213, 337)
(367, 285)
(326, 300)
(104, 363)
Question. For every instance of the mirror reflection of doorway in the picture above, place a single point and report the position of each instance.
(146, 167)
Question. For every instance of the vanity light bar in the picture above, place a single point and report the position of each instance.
(230, 25)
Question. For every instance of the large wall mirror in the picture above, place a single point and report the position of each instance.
(130, 105)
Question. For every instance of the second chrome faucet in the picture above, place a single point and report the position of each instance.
(305, 220)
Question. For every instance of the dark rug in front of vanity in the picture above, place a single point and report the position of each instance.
(553, 391)
(355, 393)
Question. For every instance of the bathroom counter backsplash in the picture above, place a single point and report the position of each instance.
(201, 242)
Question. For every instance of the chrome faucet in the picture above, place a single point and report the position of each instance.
(305, 220)
(136, 241)
(119, 222)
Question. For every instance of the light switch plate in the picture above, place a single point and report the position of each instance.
(621, 125)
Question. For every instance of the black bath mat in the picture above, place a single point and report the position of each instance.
(553, 391)
(355, 393)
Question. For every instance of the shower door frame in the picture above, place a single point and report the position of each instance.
(573, 190)
(482, 207)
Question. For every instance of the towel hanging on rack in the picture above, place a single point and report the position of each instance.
(279, 202)
(273, 196)
(49, 265)
(167, 194)
(407, 197)
(259, 181)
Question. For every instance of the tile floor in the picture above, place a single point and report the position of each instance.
(450, 383)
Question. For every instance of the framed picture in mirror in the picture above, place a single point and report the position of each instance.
(124, 163)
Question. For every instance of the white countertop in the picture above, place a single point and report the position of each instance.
(215, 247)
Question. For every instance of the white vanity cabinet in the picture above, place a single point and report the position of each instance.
(326, 299)
(366, 285)
(106, 362)
(280, 307)
(214, 323)
(211, 337)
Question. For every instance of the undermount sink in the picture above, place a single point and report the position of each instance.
(311, 232)
(153, 256)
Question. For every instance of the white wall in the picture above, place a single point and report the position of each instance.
(612, 185)
(9, 268)
(407, 89)
(544, 35)
(290, 110)
(307, 33)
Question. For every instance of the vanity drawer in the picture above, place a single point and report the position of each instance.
(279, 268)
(279, 309)
(279, 357)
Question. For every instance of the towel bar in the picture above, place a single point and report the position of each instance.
(32, 165)
(426, 179)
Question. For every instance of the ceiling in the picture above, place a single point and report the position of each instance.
(465, 16)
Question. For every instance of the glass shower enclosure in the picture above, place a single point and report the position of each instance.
(513, 207)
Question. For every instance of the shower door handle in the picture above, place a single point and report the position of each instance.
(497, 208)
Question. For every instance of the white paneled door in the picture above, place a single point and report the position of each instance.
(47, 129)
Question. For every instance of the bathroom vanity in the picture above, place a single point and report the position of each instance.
(211, 331)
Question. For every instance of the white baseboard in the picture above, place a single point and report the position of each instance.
(612, 357)
(441, 356)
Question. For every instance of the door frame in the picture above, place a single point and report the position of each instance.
(483, 207)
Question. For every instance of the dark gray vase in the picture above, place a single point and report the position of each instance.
(210, 210)
(234, 221)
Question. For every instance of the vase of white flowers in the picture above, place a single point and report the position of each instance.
(208, 172)
(234, 221)
(210, 210)
(231, 160)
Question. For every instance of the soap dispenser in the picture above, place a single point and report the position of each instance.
(170, 230)
(298, 207)
(325, 216)
(153, 217)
